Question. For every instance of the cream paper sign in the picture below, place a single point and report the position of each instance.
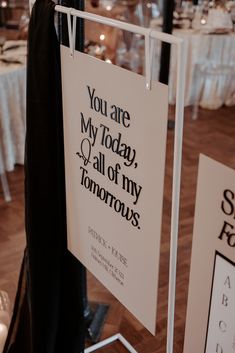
(210, 324)
(115, 141)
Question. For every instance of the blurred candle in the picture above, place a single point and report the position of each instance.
(3, 336)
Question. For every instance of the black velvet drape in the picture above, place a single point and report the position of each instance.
(48, 314)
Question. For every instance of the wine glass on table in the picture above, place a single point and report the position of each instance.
(2, 41)
(233, 17)
(190, 13)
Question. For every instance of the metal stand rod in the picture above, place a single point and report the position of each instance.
(168, 9)
(110, 340)
(119, 24)
(179, 115)
(178, 139)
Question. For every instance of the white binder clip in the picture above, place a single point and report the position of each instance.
(148, 59)
(70, 32)
(74, 31)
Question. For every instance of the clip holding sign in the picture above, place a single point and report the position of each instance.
(74, 31)
(71, 32)
(148, 56)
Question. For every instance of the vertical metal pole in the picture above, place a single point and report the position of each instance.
(167, 26)
(178, 141)
(79, 45)
(80, 29)
(168, 9)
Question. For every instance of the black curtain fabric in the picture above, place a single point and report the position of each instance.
(48, 313)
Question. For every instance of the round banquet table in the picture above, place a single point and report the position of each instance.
(12, 114)
(203, 49)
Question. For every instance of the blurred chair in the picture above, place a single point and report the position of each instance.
(5, 317)
(212, 82)
(5, 187)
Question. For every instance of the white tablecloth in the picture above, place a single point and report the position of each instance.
(12, 114)
(202, 49)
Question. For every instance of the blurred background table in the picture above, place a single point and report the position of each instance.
(12, 114)
(210, 60)
(12, 104)
(211, 50)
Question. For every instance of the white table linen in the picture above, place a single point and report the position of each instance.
(12, 114)
(201, 48)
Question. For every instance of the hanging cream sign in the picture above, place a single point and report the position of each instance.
(115, 141)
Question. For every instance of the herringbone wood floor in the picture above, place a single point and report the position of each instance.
(212, 134)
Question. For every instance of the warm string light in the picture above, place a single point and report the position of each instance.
(3, 4)
(203, 21)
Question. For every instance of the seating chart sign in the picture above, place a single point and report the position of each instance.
(222, 307)
(210, 324)
(115, 140)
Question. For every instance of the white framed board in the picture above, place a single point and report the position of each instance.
(115, 141)
(210, 323)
